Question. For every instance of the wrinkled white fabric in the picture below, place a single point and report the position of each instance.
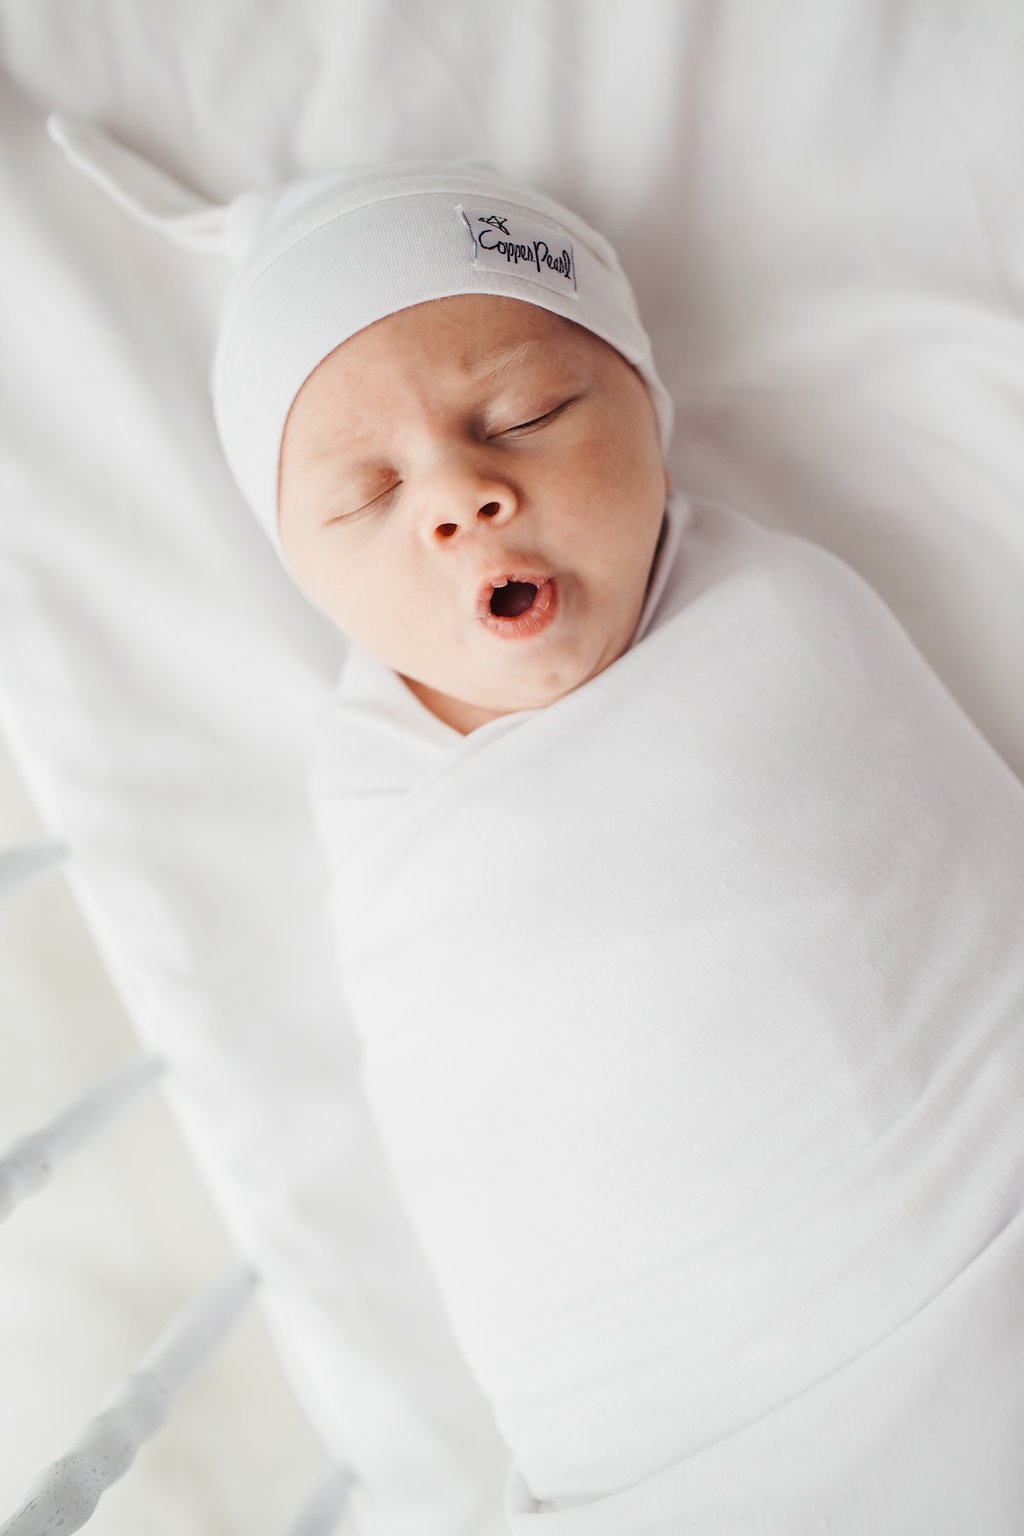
(690, 1010)
(378, 740)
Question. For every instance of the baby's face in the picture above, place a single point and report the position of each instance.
(451, 444)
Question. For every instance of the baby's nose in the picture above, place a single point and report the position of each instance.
(461, 494)
(490, 510)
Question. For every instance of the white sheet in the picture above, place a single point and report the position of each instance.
(818, 208)
(702, 1069)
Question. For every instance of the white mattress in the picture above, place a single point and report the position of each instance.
(819, 209)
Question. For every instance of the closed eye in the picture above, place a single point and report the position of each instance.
(383, 495)
(537, 420)
(346, 517)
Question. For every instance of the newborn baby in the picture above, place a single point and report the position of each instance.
(677, 903)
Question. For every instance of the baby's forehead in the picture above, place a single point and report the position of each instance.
(476, 322)
(477, 338)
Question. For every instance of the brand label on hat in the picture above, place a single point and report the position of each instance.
(505, 242)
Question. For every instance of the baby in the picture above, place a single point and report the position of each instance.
(457, 440)
(676, 903)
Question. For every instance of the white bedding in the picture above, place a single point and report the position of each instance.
(702, 1068)
(819, 209)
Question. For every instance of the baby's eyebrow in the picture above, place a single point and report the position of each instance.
(493, 366)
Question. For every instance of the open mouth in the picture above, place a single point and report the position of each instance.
(514, 598)
(518, 608)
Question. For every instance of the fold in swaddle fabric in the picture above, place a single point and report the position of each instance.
(691, 1012)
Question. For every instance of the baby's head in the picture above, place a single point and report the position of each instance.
(465, 398)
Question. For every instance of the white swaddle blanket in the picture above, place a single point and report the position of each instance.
(691, 1015)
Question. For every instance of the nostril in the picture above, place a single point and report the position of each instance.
(446, 530)
(490, 509)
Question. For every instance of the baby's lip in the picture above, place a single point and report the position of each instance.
(499, 579)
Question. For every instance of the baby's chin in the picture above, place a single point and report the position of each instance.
(463, 715)
(468, 714)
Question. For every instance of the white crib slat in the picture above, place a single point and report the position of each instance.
(66, 1493)
(28, 1162)
(22, 866)
(321, 1514)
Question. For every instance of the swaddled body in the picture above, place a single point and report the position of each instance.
(691, 1009)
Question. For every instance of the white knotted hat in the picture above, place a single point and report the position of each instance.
(319, 258)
